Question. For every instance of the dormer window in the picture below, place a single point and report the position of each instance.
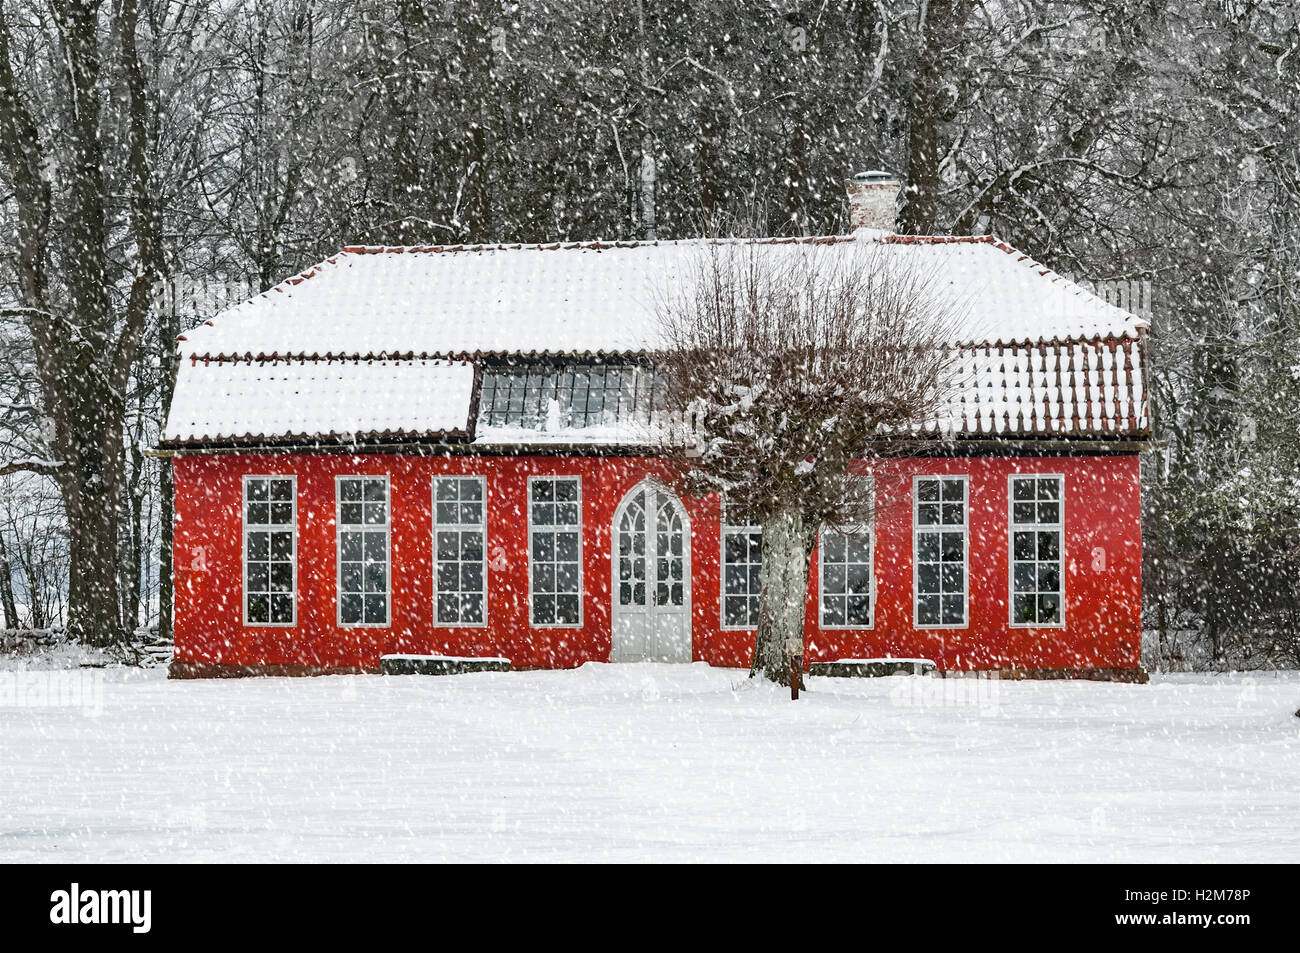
(552, 397)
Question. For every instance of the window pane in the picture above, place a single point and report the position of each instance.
(471, 545)
(281, 577)
(448, 608)
(259, 608)
(282, 545)
(1024, 545)
(259, 545)
(376, 609)
(281, 609)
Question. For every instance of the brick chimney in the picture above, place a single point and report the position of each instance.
(873, 197)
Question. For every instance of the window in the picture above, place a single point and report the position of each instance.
(270, 527)
(940, 510)
(555, 550)
(459, 547)
(1037, 538)
(742, 561)
(363, 550)
(846, 579)
(562, 396)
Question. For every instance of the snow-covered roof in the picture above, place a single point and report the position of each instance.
(594, 297)
(315, 355)
(292, 400)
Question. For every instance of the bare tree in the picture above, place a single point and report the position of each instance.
(794, 365)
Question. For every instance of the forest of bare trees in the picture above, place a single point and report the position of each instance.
(158, 158)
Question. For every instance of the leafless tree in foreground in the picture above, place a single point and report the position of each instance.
(794, 365)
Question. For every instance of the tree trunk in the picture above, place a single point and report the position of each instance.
(7, 588)
(783, 595)
(939, 29)
(92, 494)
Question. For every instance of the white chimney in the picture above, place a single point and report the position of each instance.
(873, 198)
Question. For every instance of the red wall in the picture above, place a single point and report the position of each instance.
(1102, 580)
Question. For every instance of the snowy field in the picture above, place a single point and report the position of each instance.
(645, 763)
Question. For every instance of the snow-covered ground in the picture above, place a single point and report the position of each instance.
(643, 762)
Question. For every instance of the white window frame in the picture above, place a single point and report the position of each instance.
(433, 490)
(940, 528)
(1011, 547)
(724, 528)
(870, 529)
(266, 527)
(364, 528)
(577, 478)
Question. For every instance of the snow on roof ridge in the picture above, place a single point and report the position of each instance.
(600, 244)
(473, 357)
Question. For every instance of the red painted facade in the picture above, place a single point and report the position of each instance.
(1102, 566)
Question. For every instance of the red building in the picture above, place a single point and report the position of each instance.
(442, 451)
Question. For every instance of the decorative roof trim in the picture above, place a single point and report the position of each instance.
(473, 357)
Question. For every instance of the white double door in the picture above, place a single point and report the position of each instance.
(652, 578)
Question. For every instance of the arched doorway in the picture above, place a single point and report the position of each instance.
(652, 577)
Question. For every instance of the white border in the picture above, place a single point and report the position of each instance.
(433, 515)
(582, 548)
(940, 528)
(1011, 548)
(364, 527)
(264, 527)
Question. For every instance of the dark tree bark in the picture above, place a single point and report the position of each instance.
(939, 30)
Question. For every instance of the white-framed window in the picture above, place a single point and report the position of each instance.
(940, 550)
(1037, 549)
(742, 563)
(270, 550)
(555, 550)
(459, 550)
(846, 582)
(363, 550)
